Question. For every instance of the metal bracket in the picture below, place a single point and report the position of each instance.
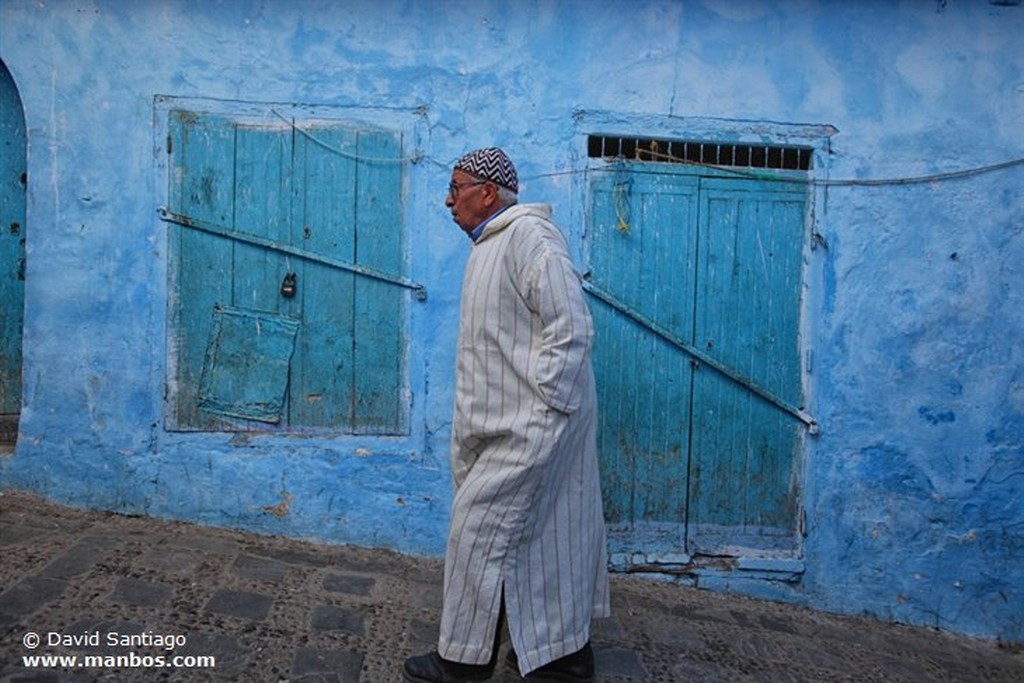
(419, 291)
(698, 356)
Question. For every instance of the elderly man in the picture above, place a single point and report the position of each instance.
(526, 543)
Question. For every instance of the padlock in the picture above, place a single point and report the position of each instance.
(288, 286)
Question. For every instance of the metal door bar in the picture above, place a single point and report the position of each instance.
(419, 290)
(667, 335)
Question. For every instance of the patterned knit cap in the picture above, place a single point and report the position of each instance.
(490, 163)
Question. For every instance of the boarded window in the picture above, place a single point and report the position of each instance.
(273, 323)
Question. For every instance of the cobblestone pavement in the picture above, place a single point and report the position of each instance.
(126, 591)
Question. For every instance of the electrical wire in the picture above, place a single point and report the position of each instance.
(934, 177)
(790, 177)
(659, 156)
(340, 152)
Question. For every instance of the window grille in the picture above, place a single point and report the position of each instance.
(699, 152)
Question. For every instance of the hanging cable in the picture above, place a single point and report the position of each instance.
(416, 158)
(654, 156)
(792, 178)
(934, 177)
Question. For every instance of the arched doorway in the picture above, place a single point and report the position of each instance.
(13, 181)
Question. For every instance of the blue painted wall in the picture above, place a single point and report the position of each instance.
(914, 311)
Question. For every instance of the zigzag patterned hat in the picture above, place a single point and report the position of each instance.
(490, 163)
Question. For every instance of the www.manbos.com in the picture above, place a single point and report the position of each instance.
(130, 660)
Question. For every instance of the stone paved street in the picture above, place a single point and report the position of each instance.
(275, 610)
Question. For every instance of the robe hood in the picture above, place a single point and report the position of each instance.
(513, 213)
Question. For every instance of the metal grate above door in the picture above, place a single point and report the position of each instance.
(699, 152)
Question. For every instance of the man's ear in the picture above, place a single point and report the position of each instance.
(492, 193)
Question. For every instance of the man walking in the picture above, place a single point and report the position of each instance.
(527, 540)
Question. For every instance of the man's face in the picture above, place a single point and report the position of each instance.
(470, 199)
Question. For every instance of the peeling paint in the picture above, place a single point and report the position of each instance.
(281, 509)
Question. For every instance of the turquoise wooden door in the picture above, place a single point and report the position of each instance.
(745, 450)
(642, 252)
(13, 181)
(272, 321)
(696, 282)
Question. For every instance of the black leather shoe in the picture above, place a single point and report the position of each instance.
(575, 668)
(431, 668)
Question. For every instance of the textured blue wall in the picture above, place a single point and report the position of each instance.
(913, 310)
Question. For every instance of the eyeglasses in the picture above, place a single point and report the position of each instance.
(453, 187)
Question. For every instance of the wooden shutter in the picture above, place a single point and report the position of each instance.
(274, 201)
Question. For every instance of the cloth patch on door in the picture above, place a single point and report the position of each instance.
(245, 371)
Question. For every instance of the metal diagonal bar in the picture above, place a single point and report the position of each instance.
(667, 335)
(420, 292)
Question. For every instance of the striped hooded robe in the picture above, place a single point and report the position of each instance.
(526, 516)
